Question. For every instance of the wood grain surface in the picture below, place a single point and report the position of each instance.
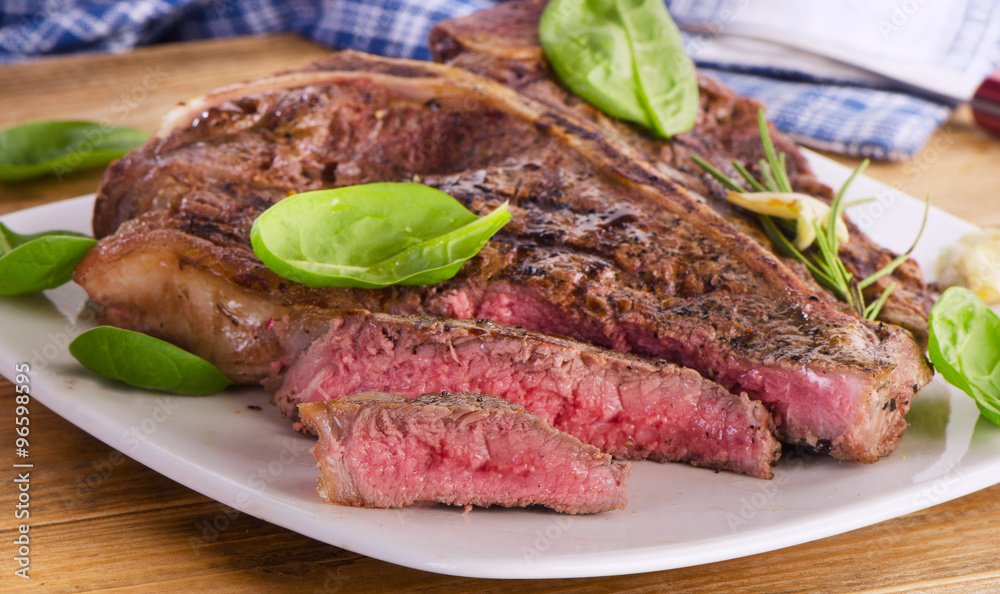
(102, 521)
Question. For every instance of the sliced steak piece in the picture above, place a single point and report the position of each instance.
(384, 450)
(501, 43)
(603, 247)
(627, 406)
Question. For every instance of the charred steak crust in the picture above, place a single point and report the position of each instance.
(603, 246)
(385, 450)
(501, 43)
(627, 406)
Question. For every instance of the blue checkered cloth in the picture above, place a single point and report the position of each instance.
(846, 116)
(829, 106)
(388, 27)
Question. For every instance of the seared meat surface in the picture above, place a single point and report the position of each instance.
(604, 247)
(502, 44)
(384, 450)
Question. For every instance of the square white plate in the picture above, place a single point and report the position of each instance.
(677, 516)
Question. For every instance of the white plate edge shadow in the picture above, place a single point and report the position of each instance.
(334, 525)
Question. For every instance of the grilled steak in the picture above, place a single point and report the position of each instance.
(384, 450)
(627, 406)
(502, 43)
(603, 247)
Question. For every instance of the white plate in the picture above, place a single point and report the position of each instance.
(677, 516)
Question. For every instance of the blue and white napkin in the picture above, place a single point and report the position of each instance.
(831, 106)
(818, 102)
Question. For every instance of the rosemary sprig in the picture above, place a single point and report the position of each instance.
(824, 261)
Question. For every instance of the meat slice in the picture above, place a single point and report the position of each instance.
(627, 406)
(501, 43)
(602, 247)
(384, 450)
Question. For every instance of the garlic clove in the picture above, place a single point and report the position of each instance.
(801, 208)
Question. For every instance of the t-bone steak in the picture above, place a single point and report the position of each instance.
(604, 247)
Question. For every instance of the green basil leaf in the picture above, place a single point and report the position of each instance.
(146, 362)
(626, 57)
(371, 236)
(33, 263)
(964, 346)
(10, 240)
(57, 147)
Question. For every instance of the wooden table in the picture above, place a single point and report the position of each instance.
(134, 529)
